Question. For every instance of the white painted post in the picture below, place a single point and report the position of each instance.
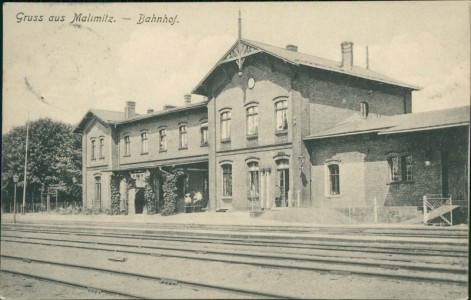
(425, 209)
(268, 189)
(375, 209)
(262, 189)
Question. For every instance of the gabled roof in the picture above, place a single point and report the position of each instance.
(108, 117)
(104, 116)
(452, 117)
(297, 58)
(164, 112)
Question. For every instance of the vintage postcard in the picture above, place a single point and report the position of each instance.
(235, 150)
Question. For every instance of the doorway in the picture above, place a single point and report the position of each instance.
(139, 201)
(283, 176)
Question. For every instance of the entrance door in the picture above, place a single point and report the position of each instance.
(139, 201)
(283, 184)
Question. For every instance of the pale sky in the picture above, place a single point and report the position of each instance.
(103, 65)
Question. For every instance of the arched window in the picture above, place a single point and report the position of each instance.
(163, 139)
(281, 115)
(282, 166)
(204, 133)
(183, 137)
(254, 180)
(226, 180)
(127, 145)
(226, 126)
(93, 145)
(144, 144)
(252, 120)
(101, 151)
(334, 179)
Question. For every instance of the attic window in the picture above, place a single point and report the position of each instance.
(364, 109)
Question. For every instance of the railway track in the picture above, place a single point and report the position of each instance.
(149, 292)
(411, 247)
(359, 230)
(385, 267)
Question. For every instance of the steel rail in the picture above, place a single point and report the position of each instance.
(414, 277)
(157, 278)
(398, 249)
(148, 230)
(362, 230)
(70, 283)
(335, 259)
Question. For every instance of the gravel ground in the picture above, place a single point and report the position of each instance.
(301, 284)
(21, 287)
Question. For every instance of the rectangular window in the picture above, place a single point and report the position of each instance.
(183, 137)
(102, 148)
(252, 120)
(226, 126)
(395, 173)
(163, 140)
(226, 180)
(281, 109)
(204, 134)
(127, 145)
(143, 142)
(334, 180)
(254, 182)
(93, 149)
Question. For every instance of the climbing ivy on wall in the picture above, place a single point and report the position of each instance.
(151, 192)
(115, 195)
(116, 178)
(170, 191)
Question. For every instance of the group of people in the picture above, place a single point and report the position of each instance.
(193, 198)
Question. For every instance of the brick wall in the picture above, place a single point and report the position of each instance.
(192, 119)
(364, 170)
(335, 98)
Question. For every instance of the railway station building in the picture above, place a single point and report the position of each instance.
(279, 128)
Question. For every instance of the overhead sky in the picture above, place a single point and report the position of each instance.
(63, 67)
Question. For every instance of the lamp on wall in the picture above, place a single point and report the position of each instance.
(428, 158)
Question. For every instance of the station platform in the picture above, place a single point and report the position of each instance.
(294, 217)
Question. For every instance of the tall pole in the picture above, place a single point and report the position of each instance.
(14, 205)
(367, 58)
(240, 26)
(15, 181)
(26, 166)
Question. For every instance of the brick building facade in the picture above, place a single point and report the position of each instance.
(274, 132)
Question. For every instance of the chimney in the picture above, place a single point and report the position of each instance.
(291, 47)
(347, 55)
(150, 110)
(187, 99)
(168, 106)
(130, 109)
